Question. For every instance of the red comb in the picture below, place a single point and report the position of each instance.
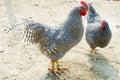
(102, 24)
(85, 4)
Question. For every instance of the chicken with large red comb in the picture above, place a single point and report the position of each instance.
(55, 43)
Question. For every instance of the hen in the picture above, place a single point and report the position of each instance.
(98, 33)
(55, 43)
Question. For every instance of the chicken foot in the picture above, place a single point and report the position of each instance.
(59, 67)
(53, 69)
(94, 54)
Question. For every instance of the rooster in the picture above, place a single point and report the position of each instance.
(98, 33)
(55, 43)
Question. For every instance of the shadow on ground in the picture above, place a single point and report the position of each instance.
(102, 69)
(76, 71)
(61, 76)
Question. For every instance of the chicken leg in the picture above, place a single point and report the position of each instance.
(59, 66)
(94, 50)
(94, 54)
(53, 69)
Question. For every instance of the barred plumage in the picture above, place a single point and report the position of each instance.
(94, 35)
(55, 43)
(98, 33)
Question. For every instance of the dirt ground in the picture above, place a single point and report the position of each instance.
(23, 61)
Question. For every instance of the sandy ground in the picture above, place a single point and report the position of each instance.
(22, 61)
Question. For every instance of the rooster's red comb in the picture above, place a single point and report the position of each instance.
(84, 4)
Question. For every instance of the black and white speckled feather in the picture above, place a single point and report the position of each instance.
(54, 43)
(94, 36)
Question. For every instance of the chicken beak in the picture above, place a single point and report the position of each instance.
(87, 11)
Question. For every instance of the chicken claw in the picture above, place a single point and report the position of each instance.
(60, 68)
(94, 54)
(53, 69)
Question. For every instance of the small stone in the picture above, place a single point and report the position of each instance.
(35, 4)
(110, 47)
(5, 30)
(30, 58)
(1, 51)
(30, 17)
(117, 26)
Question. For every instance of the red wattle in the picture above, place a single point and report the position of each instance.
(82, 12)
(102, 25)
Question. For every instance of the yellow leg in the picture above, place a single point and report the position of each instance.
(94, 54)
(94, 50)
(59, 66)
(53, 69)
(52, 64)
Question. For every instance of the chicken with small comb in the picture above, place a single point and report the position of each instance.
(98, 33)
